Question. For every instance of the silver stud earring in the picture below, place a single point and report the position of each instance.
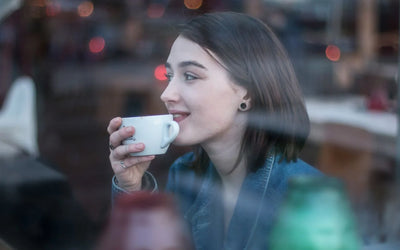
(243, 106)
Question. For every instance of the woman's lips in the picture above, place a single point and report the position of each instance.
(179, 116)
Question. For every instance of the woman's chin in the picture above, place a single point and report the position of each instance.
(180, 141)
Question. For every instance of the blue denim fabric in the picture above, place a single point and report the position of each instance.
(258, 203)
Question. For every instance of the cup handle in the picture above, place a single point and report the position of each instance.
(171, 130)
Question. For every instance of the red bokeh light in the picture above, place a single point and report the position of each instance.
(97, 44)
(332, 52)
(52, 9)
(159, 72)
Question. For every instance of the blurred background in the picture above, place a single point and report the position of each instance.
(89, 61)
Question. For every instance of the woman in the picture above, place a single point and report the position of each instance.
(234, 93)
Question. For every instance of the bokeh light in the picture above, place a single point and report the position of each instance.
(85, 9)
(97, 44)
(155, 10)
(53, 8)
(193, 4)
(159, 72)
(332, 52)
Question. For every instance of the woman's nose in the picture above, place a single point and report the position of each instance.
(170, 94)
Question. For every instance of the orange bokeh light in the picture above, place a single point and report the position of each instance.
(159, 72)
(97, 44)
(85, 9)
(193, 4)
(332, 52)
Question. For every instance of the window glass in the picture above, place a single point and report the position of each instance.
(67, 67)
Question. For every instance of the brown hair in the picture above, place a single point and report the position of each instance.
(256, 60)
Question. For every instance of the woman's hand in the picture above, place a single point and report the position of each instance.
(128, 169)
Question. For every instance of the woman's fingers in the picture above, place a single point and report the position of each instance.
(123, 151)
(133, 161)
(129, 172)
(112, 128)
(129, 163)
(128, 169)
(121, 134)
(114, 125)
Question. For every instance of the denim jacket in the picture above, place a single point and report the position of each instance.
(257, 205)
(201, 204)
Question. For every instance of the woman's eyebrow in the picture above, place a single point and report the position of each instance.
(187, 63)
(191, 63)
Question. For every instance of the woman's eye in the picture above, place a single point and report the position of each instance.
(168, 76)
(189, 77)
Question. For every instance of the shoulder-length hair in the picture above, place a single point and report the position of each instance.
(255, 59)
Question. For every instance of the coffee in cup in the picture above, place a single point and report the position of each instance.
(156, 132)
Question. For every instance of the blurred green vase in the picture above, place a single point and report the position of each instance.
(316, 215)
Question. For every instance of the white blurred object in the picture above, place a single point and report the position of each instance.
(8, 6)
(18, 121)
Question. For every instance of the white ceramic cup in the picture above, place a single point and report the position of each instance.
(156, 132)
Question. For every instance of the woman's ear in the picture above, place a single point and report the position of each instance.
(246, 101)
(243, 96)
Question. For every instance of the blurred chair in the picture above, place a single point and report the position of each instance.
(38, 209)
(18, 120)
(346, 153)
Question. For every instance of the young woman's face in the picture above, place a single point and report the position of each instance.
(201, 96)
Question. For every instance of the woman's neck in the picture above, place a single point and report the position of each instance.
(232, 172)
(225, 160)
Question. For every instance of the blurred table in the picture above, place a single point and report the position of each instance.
(352, 111)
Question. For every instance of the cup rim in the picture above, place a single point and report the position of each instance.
(146, 116)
